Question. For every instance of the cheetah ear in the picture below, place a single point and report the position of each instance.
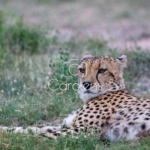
(86, 57)
(122, 61)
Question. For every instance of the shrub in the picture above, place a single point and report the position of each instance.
(18, 37)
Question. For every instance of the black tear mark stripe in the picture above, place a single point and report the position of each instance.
(111, 74)
(97, 78)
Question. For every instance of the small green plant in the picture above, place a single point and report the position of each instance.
(61, 71)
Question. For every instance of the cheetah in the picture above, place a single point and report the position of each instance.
(108, 109)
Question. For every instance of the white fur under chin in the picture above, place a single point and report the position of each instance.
(87, 96)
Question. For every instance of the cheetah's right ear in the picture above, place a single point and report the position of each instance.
(86, 57)
(122, 61)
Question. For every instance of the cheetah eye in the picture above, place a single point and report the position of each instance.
(82, 70)
(102, 71)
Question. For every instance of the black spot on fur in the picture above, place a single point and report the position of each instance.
(38, 127)
(130, 123)
(85, 120)
(79, 118)
(117, 124)
(49, 130)
(56, 134)
(121, 113)
(64, 130)
(76, 130)
(98, 116)
(125, 130)
(108, 118)
(96, 123)
(105, 98)
(80, 113)
(91, 122)
(103, 117)
(113, 110)
(135, 118)
(102, 125)
(130, 109)
(143, 126)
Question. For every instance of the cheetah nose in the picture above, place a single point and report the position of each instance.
(87, 84)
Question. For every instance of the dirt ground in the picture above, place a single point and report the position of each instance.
(125, 24)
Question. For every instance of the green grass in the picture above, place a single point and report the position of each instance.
(25, 98)
(19, 142)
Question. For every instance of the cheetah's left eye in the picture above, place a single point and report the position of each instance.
(82, 70)
(102, 70)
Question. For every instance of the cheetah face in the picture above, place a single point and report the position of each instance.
(100, 74)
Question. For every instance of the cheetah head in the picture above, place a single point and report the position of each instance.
(100, 74)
